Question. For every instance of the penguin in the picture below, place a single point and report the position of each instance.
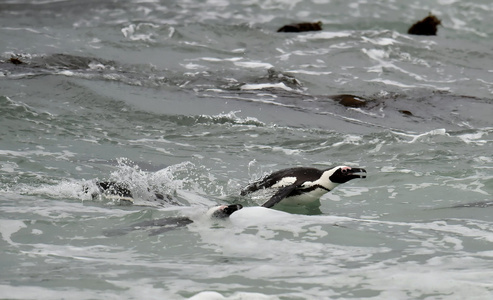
(158, 226)
(302, 185)
(223, 211)
(113, 190)
(120, 191)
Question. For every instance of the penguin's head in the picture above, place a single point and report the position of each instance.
(223, 211)
(342, 174)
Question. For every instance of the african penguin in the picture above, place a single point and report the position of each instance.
(297, 186)
(223, 211)
(120, 191)
(113, 190)
(158, 226)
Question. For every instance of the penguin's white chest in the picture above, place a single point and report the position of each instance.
(304, 198)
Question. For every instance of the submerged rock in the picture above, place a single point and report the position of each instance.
(406, 112)
(300, 27)
(15, 60)
(427, 26)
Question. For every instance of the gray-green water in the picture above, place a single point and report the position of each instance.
(195, 99)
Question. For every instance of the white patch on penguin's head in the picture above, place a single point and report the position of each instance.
(223, 211)
(341, 174)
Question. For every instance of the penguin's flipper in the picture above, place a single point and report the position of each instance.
(281, 194)
(261, 184)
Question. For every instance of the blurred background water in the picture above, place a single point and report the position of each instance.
(195, 99)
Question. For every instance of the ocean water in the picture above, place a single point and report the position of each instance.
(196, 99)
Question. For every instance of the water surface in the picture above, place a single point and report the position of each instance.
(195, 99)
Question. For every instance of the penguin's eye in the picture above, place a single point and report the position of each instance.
(344, 170)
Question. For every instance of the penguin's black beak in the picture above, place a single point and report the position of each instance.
(357, 173)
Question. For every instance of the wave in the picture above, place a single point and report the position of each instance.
(230, 118)
(421, 107)
(179, 185)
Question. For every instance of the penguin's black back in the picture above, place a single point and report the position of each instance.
(301, 174)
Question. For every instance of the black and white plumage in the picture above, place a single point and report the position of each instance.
(158, 226)
(120, 191)
(114, 190)
(223, 211)
(303, 185)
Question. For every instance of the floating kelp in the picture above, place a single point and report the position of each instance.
(427, 26)
(300, 27)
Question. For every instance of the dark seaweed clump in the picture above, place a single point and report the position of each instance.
(427, 26)
(300, 27)
(15, 61)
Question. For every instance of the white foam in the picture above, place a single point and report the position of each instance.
(215, 59)
(96, 66)
(192, 66)
(260, 86)
(416, 137)
(131, 30)
(381, 41)
(66, 73)
(306, 72)
(325, 35)
(247, 64)
(390, 82)
(210, 295)
(71, 189)
(475, 138)
(9, 227)
(28, 29)
(349, 139)
(274, 149)
(8, 167)
(41, 293)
